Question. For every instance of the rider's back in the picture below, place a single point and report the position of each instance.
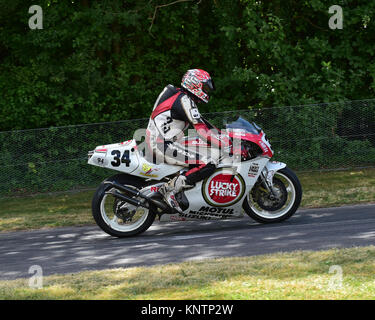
(169, 116)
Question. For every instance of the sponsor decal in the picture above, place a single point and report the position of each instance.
(195, 113)
(154, 189)
(223, 191)
(146, 167)
(99, 160)
(223, 188)
(148, 171)
(208, 213)
(264, 146)
(220, 137)
(148, 175)
(217, 210)
(194, 142)
(183, 152)
(253, 170)
(197, 215)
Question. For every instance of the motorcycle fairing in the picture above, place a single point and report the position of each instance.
(200, 206)
(125, 157)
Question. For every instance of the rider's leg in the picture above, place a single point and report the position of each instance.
(171, 188)
(187, 180)
(199, 173)
(175, 153)
(209, 158)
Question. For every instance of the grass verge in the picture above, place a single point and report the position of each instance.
(320, 189)
(296, 275)
(327, 189)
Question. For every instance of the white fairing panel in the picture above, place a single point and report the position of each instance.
(124, 157)
(221, 195)
(275, 165)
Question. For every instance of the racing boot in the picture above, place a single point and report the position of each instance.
(171, 188)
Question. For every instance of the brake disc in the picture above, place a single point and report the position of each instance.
(121, 210)
(268, 201)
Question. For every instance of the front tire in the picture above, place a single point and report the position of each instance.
(118, 218)
(260, 208)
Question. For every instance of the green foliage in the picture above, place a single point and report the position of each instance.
(100, 61)
(97, 61)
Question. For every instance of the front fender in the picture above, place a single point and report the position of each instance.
(270, 169)
(275, 166)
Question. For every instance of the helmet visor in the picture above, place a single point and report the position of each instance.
(208, 86)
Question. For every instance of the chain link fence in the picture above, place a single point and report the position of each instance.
(311, 137)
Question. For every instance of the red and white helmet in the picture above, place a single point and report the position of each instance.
(199, 83)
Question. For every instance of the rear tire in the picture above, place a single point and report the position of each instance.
(286, 181)
(113, 226)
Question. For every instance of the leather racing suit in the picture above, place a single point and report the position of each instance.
(173, 112)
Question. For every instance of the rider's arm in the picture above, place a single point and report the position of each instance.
(210, 134)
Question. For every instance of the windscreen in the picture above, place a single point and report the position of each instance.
(245, 125)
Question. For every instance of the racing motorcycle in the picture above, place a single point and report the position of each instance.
(126, 204)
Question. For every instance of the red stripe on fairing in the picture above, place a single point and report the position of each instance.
(101, 150)
(166, 105)
(127, 141)
(255, 138)
(194, 170)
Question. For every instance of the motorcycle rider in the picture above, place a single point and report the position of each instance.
(174, 110)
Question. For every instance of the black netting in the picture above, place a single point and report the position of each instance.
(308, 137)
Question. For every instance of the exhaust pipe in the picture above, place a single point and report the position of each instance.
(124, 188)
(135, 193)
(127, 199)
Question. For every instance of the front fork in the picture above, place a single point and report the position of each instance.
(267, 174)
(267, 180)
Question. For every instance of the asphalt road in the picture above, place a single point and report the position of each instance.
(68, 250)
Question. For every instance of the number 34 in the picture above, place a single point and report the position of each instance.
(117, 159)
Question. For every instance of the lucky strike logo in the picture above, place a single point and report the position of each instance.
(222, 190)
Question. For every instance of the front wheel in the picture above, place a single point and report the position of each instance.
(265, 207)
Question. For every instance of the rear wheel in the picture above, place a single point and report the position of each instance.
(119, 218)
(265, 207)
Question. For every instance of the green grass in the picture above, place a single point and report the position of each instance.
(325, 189)
(46, 211)
(295, 275)
(320, 189)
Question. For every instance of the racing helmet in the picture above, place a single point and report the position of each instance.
(199, 83)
